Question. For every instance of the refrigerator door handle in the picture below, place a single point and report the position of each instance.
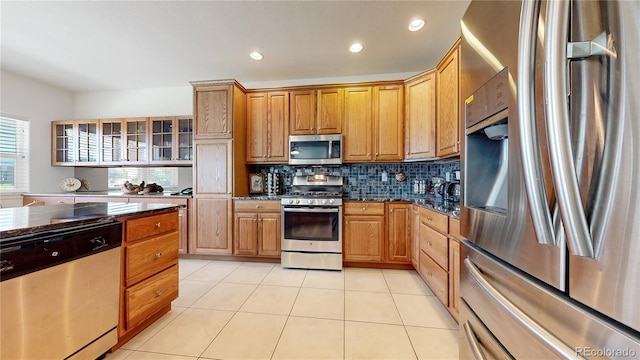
(559, 141)
(472, 341)
(529, 148)
(585, 49)
(538, 331)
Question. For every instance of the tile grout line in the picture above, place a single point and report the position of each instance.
(273, 352)
(415, 353)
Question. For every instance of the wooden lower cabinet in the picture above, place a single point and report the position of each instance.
(415, 235)
(363, 238)
(212, 221)
(183, 216)
(257, 226)
(149, 274)
(436, 277)
(434, 252)
(454, 267)
(399, 237)
(376, 232)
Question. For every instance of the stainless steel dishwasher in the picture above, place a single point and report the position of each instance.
(59, 293)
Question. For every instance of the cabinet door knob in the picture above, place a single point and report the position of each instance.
(364, 209)
(158, 225)
(391, 210)
(159, 254)
(159, 292)
(429, 218)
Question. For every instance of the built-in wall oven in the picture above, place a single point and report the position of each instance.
(312, 223)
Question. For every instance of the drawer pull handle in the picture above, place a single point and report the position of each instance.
(158, 254)
(158, 225)
(430, 274)
(364, 209)
(257, 206)
(429, 243)
(429, 218)
(159, 292)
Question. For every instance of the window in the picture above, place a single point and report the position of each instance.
(14, 151)
(165, 176)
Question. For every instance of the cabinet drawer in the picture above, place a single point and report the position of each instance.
(257, 205)
(145, 258)
(151, 225)
(435, 220)
(145, 298)
(454, 228)
(435, 277)
(363, 208)
(435, 245)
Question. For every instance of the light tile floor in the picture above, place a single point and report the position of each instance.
(235, 310)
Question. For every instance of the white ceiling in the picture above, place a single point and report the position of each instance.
(114, 45)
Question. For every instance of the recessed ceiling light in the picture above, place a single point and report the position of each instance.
(355, 47)
(416, 25)
(256, 55)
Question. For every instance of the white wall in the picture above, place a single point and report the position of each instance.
(40, 103)
(131, 103)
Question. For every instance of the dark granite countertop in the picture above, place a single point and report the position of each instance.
(28, 220)
(451, 208)
(113, 193)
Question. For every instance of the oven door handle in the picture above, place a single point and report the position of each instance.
(312, 209)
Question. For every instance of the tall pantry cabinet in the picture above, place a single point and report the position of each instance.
(219, 171)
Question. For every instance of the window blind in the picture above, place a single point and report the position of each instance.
(14, 155)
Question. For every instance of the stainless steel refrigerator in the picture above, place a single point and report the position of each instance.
(551, 173)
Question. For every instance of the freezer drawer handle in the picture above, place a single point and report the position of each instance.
(523, 319)
(473, 342)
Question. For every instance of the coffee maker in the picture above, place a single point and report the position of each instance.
(451, 188)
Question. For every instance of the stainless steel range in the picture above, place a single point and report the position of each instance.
(312, 223)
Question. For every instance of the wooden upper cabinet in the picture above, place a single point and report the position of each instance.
(420, 116)
(213, 107)
(389, 123)
(374, 123)
(257, 127)
(316, 111)
(330, 111)
(268, 127)
(302, 112)
(357, 127)
(278, 128)
(448, 119)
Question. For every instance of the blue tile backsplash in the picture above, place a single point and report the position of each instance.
(365, 180)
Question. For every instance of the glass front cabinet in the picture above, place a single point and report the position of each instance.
(75, 143)
(171, 140)
(123, 141)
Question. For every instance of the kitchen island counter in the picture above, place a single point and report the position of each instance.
(27, 220)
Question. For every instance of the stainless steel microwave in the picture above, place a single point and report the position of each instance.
(315, 149)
